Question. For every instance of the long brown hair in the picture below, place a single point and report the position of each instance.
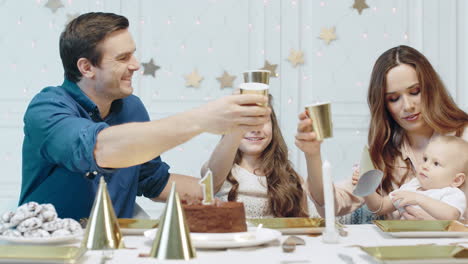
(285, 193)
(438, 109)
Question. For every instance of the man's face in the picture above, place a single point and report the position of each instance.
(113, 77)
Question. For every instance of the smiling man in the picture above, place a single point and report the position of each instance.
(92, 126)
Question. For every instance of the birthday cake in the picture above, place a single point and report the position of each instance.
(220, 217)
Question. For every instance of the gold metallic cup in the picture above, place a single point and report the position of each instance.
(254, 88)
(256, 82)
(257, 76)
(102, 229)
(321, 119)
(172, 240)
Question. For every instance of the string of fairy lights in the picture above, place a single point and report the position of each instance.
(194, 79)
(327, 34)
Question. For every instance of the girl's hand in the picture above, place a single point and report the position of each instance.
(355, 174)
(306, 140)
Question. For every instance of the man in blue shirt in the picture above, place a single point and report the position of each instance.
(92, 126)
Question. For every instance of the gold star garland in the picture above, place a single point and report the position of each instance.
(270, 67)
(150, 68)
(193, 79)
(360, 5)
(296, 57)
(328, 35)
(226, 80)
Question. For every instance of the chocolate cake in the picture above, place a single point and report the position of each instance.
(221, 217)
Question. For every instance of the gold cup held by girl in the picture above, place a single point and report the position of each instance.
(322, 125)
(256, 82)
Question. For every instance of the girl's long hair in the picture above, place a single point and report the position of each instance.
(438, 110)
(285, 193)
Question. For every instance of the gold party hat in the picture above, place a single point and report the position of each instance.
(172, 240)
(102, 229)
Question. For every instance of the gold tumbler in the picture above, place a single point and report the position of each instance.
(320, 114)
(256, 82)
(257, 76)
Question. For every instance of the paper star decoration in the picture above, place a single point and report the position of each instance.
(226, 80)
(193, 79)
(150, 68)
(70, 17)
(296, 57)
(53, 5)
(360, 5)
(328, 35)
(270, 67)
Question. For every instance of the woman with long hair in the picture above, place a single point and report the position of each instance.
(253, 167)
(409, 105)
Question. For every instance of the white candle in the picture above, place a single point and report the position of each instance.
(330, 234)
(207, 184)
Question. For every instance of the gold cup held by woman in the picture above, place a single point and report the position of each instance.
(322, 125)
(256, 82)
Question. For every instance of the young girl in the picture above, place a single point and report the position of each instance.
(409, 105)
(253, 167)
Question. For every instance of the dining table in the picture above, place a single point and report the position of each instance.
(348, 250)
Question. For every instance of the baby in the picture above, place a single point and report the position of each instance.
(435, 188)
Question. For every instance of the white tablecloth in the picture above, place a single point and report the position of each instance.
(315, 251)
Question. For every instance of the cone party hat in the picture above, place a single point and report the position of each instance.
(172, 240)
(102, 229)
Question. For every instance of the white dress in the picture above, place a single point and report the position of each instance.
(252, 192)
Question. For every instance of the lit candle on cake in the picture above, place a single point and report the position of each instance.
(330, 234)
(207, 185)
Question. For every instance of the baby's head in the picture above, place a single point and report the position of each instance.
(445, 163)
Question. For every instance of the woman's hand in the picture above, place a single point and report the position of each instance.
(306, 140)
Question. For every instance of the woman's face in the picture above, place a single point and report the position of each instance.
(403, 98)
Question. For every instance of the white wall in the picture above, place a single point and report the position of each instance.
(168, 32)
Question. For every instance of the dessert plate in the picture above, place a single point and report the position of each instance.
(422, 228)
(42, 240)
(253, 237)
(132, 226)
(40, 254)
(418, 254)
(291, 225)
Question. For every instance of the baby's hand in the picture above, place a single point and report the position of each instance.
(355, 174)
(405, 198)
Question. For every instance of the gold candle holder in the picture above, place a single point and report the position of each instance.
(320, 114)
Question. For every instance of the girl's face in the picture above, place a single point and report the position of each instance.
(403, 98)
(255, 142)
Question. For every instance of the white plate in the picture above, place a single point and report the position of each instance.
(133, 231)
(41, 240)
(253, 237)
(429, 234)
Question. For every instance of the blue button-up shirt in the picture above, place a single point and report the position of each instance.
(60, 130)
